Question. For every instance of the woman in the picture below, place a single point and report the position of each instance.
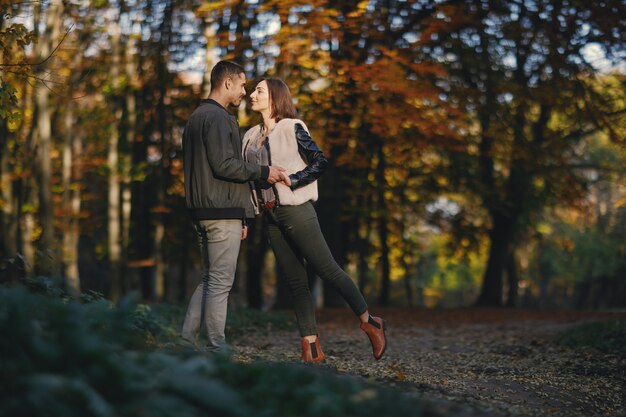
(294, 232)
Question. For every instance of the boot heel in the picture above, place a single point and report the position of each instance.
(375, 330)
(311, 351)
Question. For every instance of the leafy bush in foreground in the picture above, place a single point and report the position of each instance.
(65, 358)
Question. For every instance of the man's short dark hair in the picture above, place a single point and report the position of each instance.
(222, 70)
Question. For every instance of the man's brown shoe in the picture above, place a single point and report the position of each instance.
(311, 351)
(375, 330)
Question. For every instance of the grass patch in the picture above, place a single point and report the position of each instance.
(245, 320)
(163, 322)
(607, 336)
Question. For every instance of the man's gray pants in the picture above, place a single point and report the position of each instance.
(219, 242)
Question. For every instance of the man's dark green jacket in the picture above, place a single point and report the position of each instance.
(216, 176)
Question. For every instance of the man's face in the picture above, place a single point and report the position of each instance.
(237, 89)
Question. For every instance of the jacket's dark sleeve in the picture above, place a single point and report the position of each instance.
(313, 155)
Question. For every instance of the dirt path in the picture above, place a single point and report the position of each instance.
(473, 362)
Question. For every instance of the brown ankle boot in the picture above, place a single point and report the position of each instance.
(311, 351)
(375, 330)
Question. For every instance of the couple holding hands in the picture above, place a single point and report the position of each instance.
(274, 172)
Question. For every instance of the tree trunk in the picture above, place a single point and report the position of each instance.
(141, 213)
(128, 136)
(363, 248)
(11, 261)
(512, 278)
(25, 197)
(8, 245)
(328, 211)
(419, 296)
(407, 251)
(113, 211)
(209, 56)
(72, 149)
(383, 232)
(500, 239)
(256, 248)
(184, 261)
(164, 134)
(48, 264)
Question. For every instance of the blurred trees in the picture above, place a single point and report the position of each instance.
(457, 131)
(520, 71)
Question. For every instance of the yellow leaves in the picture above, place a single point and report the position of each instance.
(442, 181)
(539, 183)
(360, 10)
(544, 228)
(14, 121)
(210, 7)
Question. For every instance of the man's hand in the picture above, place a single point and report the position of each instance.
(285, 178)
(244, 232)
(276, 174)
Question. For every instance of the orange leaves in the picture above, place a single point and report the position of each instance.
(446, 19)
(405, 61)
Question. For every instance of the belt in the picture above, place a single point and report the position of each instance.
(270, 205)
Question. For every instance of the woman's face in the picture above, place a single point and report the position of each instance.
(260, 97)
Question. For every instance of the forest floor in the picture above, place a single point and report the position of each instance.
(468, 362)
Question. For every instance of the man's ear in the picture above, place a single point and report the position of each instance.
(228, 83)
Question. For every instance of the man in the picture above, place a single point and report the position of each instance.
(218, 198)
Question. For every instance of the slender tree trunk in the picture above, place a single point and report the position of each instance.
(129, 129)
(406, 279)
(26, 199)
(8, 248)
(382, 226)
(141, 213)
(407, 251)
(72, 149)
(49, 261)
(209, 56)
(512, 278)
(11, 262)
(113, 161)
(363, 245)
(256, 249)
(419, 289)
(13, 190)
(184, 261)
(163, 171)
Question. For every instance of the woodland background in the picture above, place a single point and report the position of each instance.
(477, 147)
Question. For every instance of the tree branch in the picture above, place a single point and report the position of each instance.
(47, 58)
